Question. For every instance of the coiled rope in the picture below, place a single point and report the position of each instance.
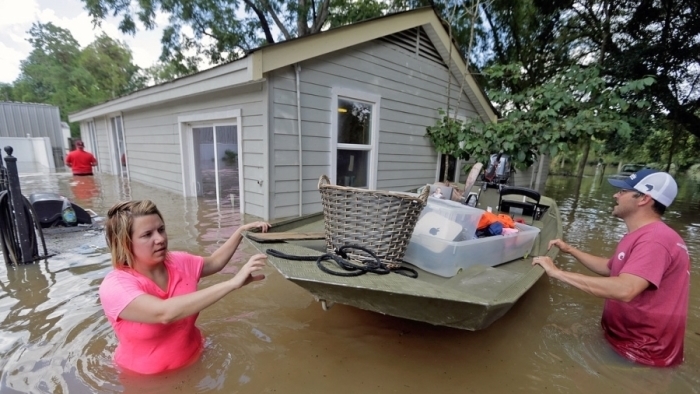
(340, 258)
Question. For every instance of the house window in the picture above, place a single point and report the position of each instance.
(355, 139)
(453, 168)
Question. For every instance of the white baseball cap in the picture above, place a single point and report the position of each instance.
(659, 185)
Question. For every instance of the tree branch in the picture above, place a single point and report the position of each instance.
(322, 17)
(203, 30)
(263, 21)
(278, 22)
(302, 12)
(496, 39)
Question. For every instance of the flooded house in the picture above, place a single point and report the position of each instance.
(351, 102)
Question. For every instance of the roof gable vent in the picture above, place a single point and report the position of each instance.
(416, 41)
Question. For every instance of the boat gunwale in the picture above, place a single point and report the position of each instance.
(508, 294)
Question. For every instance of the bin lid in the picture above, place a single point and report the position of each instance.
(438, 226)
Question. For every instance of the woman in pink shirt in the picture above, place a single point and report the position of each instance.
(151, 297)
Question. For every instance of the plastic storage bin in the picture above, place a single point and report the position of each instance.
(447, 221)
(446, 258)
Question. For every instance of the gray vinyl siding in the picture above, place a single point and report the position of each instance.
(411, 90)
(153, 141)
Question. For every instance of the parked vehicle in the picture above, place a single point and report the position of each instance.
(628, 169)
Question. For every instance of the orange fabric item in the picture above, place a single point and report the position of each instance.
(506, 220)
(487, 218)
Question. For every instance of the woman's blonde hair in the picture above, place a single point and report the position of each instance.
(119, 226)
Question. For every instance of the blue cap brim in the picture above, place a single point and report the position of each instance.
(619, 183)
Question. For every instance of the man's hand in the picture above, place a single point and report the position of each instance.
(563, 246)
(547, 263)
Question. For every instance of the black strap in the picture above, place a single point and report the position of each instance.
(340, 258)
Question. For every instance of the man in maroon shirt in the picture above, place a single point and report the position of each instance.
(645, 283)
(80, 161)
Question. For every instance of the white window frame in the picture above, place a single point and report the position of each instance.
(368, 98)
(92, 141)
(210, 119)
(114, 150)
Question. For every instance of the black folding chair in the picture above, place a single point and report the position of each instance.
(528, 208)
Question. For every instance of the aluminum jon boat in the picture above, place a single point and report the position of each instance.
(472, 299)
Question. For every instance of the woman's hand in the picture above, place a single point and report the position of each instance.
(263, 226)
(245, 274)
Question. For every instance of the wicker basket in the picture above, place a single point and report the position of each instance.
(378, 220)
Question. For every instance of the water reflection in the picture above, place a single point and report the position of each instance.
(272, 336)
(84, 189)
(51, 323)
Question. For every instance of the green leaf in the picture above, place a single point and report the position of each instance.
(553, 150)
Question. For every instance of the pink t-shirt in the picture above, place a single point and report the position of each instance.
(153, 348)
(650, 328)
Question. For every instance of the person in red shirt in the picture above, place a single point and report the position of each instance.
(80, 161)
(646, 282)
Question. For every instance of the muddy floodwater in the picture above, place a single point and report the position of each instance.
(273, 337)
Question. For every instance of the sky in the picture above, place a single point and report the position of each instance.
(17, 16)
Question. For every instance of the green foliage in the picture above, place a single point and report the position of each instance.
(660, 142)
(59, 73)
(573, 106)
(528, 32)
(647, 38)
(445, 135)
(161, 73)
(6, 92)
(230, 157)
(343, 12)
(225, 30)
(630, 40)
(110, 63)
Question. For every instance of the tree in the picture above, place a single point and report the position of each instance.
(528, 32)
(51, 73)
(225, 30)
(161, 72)
(625, 40)
(502, 32)
(647, 38)
(574, 105)
(343, 12)
(59, 73)
(111, 65)
(6, 92)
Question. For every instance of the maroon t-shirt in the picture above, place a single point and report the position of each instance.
(650, 328)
